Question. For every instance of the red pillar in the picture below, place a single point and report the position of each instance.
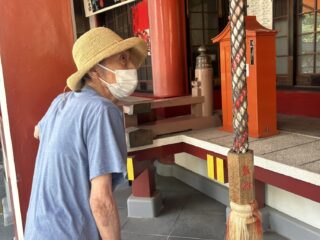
(168, 47)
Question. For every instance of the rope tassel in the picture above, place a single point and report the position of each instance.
(244, 222)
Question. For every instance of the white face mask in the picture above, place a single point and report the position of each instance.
(126, 82)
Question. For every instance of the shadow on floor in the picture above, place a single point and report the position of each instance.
(187, 214)
(6, 233)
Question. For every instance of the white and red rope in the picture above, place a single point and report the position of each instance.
(238, 70)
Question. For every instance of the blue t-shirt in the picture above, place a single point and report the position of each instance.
(81, 137)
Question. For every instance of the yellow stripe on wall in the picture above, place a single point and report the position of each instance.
(130, 168)
(210, 166)
(220, 170)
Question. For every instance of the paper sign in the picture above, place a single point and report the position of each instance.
(263, 10)
(92, 7)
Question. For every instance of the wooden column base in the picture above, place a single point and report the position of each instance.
(144, 184)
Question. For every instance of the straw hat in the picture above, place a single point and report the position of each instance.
(98, 44)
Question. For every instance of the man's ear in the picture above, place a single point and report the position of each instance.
(93, 74)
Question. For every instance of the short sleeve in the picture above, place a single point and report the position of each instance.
(106, 144)
(50, 111)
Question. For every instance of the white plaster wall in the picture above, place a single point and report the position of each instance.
(192, 163)
(291, 204)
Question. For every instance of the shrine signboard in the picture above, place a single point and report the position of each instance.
(93, 7)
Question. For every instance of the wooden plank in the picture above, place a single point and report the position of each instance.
(136, 137)
(137, 108)
(179, 124)
(196, 110)
(130, 120)
(177, 101)
(129, 106)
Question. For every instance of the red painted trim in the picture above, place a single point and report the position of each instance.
(287, 183)
(156, 152)
(200, 152)
(290, 184)
(298, 103)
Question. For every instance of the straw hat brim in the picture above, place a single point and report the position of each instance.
(138, 49)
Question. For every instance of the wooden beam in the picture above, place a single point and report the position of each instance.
(142, 106)
(177, 101)
(136, 137)
(137, 108)
(178, 124)
(130, 120)
(196, 110)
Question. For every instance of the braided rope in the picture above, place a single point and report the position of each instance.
(239, 84)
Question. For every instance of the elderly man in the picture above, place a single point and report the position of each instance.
(82, 151)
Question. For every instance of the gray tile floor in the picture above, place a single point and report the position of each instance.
(6, 233)
(187, 214)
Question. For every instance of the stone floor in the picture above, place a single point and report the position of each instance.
(298, 124)
(187, 214)
(6, 233)
(297, 144)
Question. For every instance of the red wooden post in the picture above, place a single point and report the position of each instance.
(168, 47)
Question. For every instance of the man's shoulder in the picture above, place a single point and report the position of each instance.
(101, 103)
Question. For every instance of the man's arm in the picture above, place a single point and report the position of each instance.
(104, 208)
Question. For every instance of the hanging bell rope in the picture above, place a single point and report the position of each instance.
(238, 69)
(244, 222)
